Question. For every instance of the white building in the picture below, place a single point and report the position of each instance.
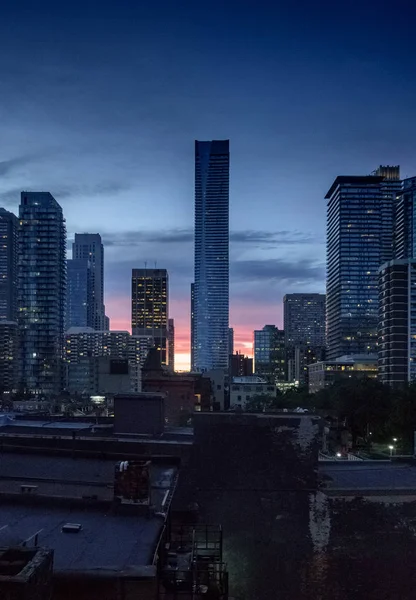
(244, 389)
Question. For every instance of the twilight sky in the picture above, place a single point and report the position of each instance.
(100, 103)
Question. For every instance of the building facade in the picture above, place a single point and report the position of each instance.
(89, 247)
(325, 373)
(41, 292)
(9, 346)
(150, 307)
(211, 281)
(171, 344)
(270, 354)
(9, 226)
(397, 323)
(244, 389)
(240, 365)
(360, 214)
(78, 297)
(304, 320)
(405, 221)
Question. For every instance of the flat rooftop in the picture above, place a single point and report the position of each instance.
(367, 477)
(63, 476)
(107, 541)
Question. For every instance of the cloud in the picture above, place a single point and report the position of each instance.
(8, 166)
(186, 235)
(277, 271)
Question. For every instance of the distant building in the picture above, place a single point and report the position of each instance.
(325, 373)
(41, 292)
(150, 307)
(9, 226)
(171, 344)
(298, 360)
(211, 282)
(89, 247)
(230, 341)
(304, 320)
(240, 365)
(9, 354)
(193, 367)
(185, 392)
(269, 353)
(138, 347)
(360, 216)
(95, 375)
(244, 389)
(397, 325)
(79, 311)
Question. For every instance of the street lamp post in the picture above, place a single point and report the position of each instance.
(391, 448)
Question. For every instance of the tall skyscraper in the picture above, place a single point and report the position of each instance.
(78, 298)
(41, 292)
(230, 341)
(359, 239)
(405, 221)
(193, 368)
(397, 325)
(211, 282)
(171, 344)
(88, 246)
(9, 225)
(269, 353)
(149, 307)
(304, 319)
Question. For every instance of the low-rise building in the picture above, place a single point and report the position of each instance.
(244, 389)
(324, 373)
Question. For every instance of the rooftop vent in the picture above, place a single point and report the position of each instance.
(71, 528)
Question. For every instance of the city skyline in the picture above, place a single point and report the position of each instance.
(298, 101)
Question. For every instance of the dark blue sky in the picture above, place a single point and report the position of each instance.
(100, 104)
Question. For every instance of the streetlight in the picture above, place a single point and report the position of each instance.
(391, 448)
(339, 454)
(394, 439)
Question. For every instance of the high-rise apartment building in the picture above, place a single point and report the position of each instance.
(304, 319)
(269, 353)
(171, 344)
(211, 281)
(89, 247)
(360, 216)
(78, 307)
(41, 292)
(149, 307)
(9, 225)
(8, 356)
(230, 341)
(405, 221)
(193, 368)
(397, 324)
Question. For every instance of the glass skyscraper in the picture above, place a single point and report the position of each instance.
(150, 307)
(9, 225)
(360, 216)
(304, 320)
(41, 292)
(88, 246)
(269, 353)
(211, 282)
(78, 309)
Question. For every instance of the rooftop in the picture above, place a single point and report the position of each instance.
(353, 179)
(368, 477)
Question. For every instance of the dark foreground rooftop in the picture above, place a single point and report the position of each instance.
(366, 477)
(117, 543)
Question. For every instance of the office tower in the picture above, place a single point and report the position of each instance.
(397, 325)
(9, 226)
(149, 307)
(269, 353)
(193, 327)
(211, 282)
(304, 319)
(41, 292)
(359, 239)
(8, 356)
(78, 307)
(171, 344)
(230, 341)
(88, 246)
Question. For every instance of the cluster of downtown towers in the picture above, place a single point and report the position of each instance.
(371, 276)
